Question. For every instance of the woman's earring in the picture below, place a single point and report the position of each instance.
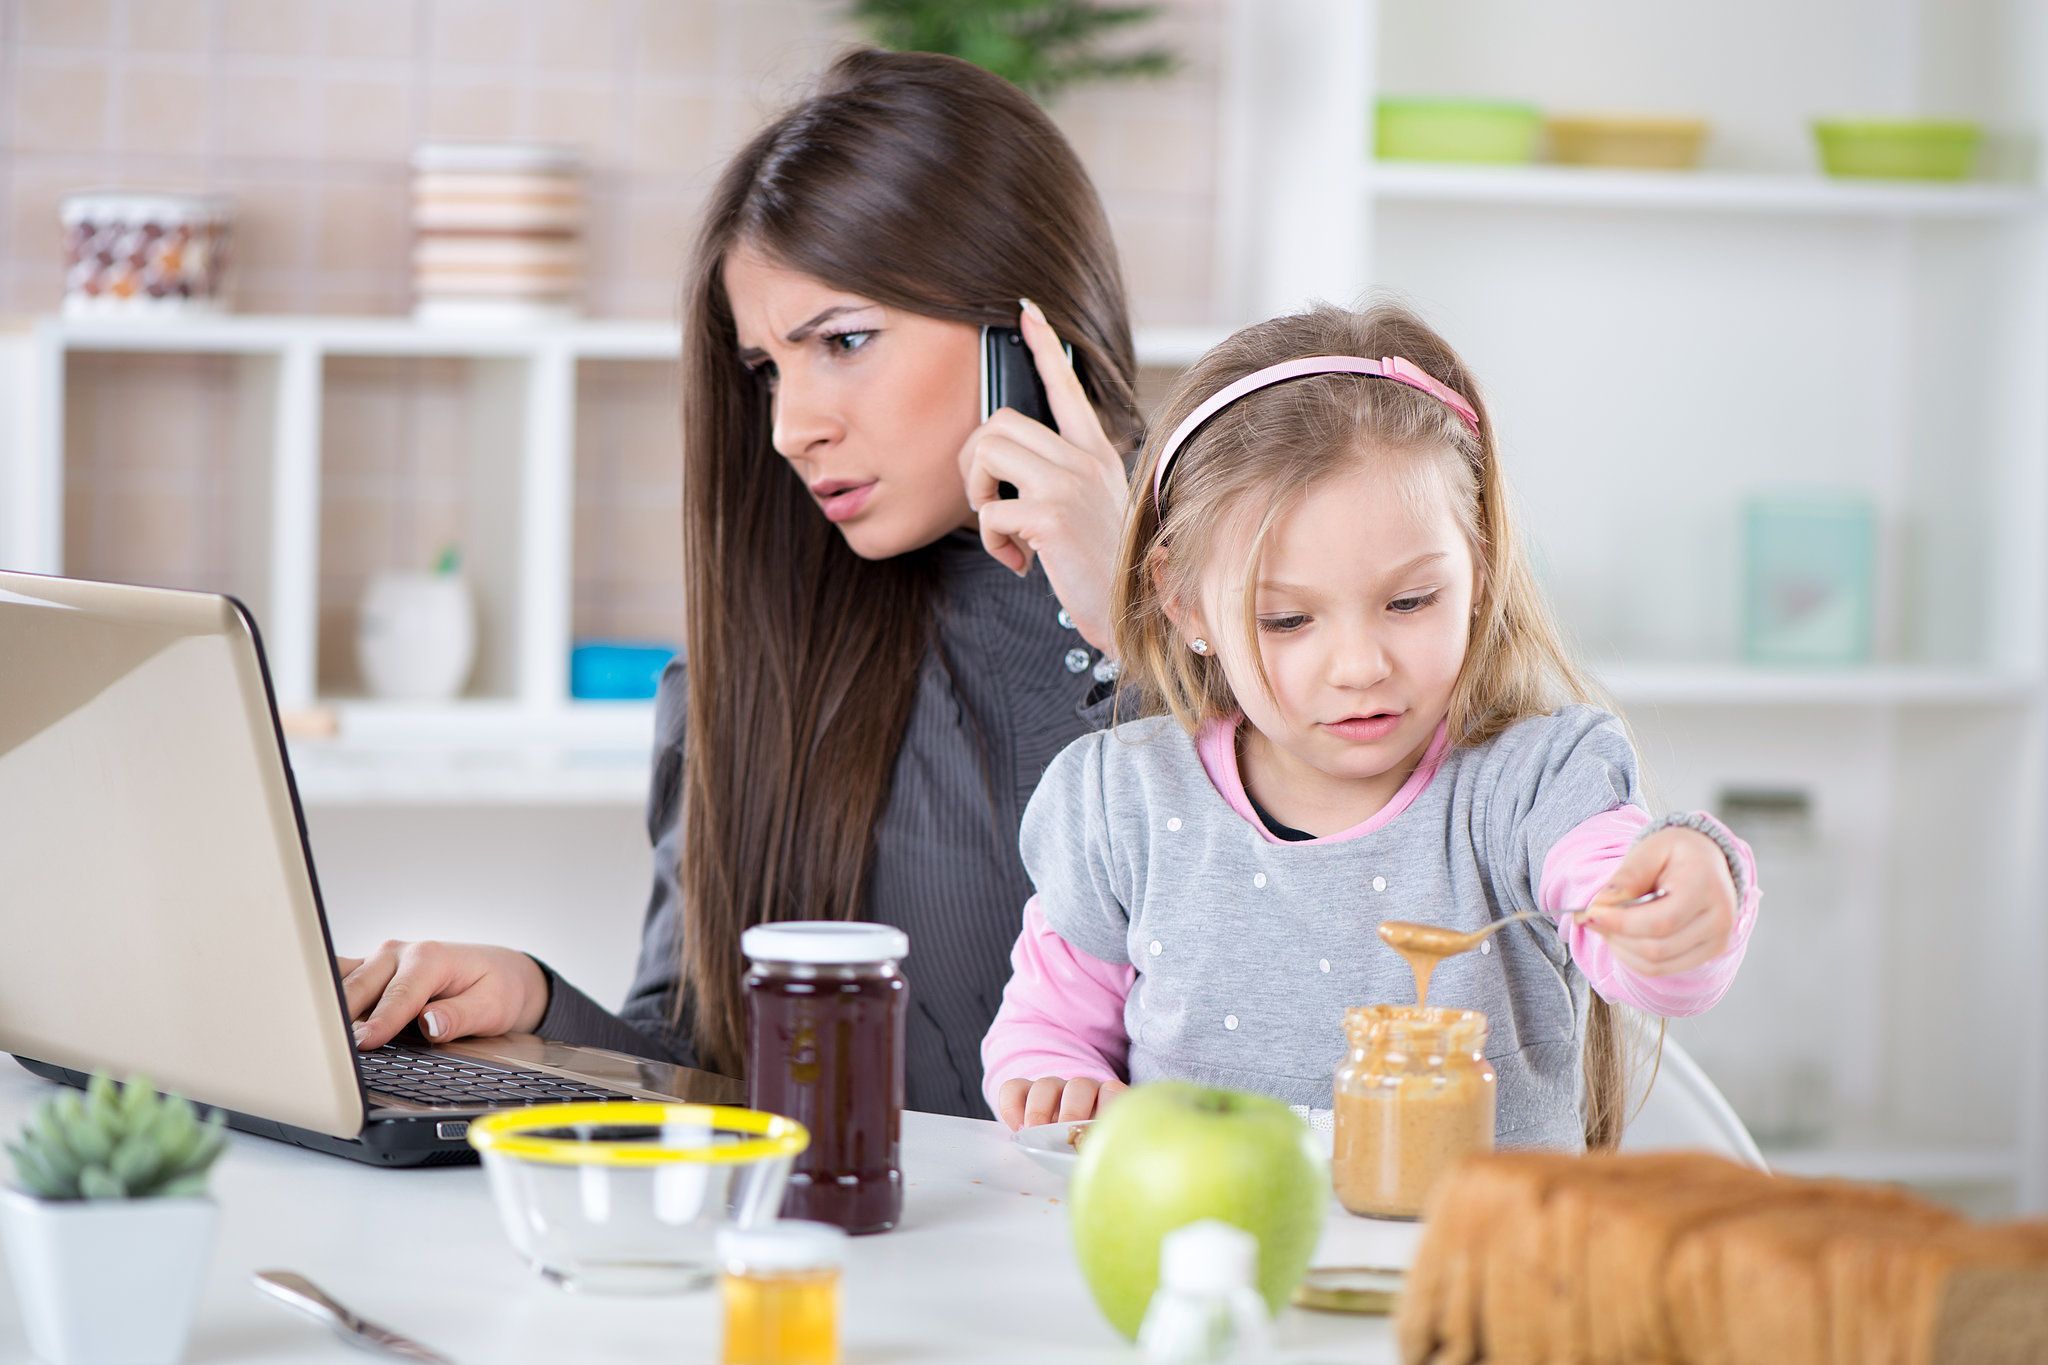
(1199, 645)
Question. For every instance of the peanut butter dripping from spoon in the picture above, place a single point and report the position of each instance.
(1422, 946)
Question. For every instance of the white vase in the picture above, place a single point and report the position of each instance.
(107, 1281)
(416, 640)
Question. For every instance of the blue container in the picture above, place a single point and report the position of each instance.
(616, 670)
(1809, 570)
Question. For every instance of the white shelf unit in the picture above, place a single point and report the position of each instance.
(1655, 346)
(522, 397)
(530, 742)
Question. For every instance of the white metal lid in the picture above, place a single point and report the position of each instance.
(1208, 1257)
(825, 942)
(785, 1245)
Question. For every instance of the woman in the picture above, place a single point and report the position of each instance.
(882, 654)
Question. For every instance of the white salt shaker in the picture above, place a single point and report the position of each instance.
(1207, 1309)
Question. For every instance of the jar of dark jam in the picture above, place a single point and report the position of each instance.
(826, 1005)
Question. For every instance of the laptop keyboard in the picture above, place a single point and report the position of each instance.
(425, 1077)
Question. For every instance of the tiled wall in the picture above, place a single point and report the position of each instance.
(303, 112)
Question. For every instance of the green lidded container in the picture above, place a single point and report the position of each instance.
(1495, 132)
(1898, 149)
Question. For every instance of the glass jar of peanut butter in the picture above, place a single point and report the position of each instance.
(1415, 1095)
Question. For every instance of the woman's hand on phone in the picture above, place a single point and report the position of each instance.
(1071, 487)
(455, 990)
(1054, 1099)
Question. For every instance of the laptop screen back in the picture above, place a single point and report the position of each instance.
(158, 912)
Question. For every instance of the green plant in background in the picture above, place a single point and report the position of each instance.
(1041, 46)
(116, 1144)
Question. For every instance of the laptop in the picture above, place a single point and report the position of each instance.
(159, 914)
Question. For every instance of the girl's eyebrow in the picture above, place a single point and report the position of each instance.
(1419, 562)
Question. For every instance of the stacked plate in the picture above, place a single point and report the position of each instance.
(498, 231)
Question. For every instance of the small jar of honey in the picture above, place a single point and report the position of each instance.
(780, 1284)
(1414, 1096)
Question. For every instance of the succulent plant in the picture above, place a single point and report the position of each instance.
(116, 1143)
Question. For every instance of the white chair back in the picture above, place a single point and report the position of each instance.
(1685, 1110)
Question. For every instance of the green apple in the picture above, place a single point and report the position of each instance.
(1169, 1153)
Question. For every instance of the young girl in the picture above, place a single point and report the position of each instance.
(1369, 715)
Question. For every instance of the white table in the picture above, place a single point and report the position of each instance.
(979, 1270)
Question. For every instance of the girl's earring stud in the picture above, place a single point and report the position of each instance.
(1199, 645)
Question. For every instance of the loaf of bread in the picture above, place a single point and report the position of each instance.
(1683, 1258)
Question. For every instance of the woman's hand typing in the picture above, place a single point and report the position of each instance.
(1054, 1099)
(455, 990)
(1071, 487)
(1691, 926)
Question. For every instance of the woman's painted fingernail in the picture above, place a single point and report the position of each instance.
(357, 1028)
(433, 1024)
(1028, 306)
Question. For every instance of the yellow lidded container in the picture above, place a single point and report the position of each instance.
(780, 1284)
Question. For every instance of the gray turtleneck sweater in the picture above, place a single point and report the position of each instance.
(1006, 686)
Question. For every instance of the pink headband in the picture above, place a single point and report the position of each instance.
(1391, 367)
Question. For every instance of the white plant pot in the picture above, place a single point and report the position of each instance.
(417, 637)
(110, 1281)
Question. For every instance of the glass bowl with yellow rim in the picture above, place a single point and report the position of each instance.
(627, 1197)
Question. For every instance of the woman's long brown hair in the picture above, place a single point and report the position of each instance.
(1259, 457)
(926, 184)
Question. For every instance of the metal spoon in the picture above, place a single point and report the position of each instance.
(302, 1294)
(1440, 942)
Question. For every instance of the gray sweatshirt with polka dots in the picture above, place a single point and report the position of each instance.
(1247, 951)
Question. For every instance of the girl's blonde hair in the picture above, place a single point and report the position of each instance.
(1246, 468)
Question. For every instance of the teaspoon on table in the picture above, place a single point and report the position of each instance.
(302, 1294)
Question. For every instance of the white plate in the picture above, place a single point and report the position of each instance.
(1047, 1144)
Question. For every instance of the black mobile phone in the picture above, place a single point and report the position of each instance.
(1009, 379)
